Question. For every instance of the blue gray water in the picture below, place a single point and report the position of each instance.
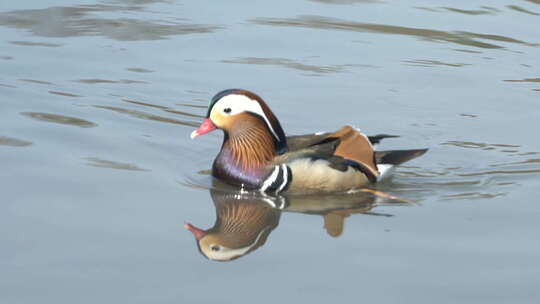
(98, 173)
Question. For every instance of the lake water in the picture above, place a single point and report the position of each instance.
(98, 173)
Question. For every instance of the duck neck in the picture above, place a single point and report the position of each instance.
(244, 156)
(251, 148)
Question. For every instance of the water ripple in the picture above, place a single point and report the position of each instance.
(291, 64)
(7, 86)
(472, 195)
(166, 109)
(458, 37)
(477, 145)
(499, 172)
(30, 43)
(345, 2)
(139, 70)
(102, 163)
(121, 81)
(147, 116)
(473, 181)
(432, 63)
(37, 81)
(13, 142)
(65, 94)
(78, 21)
(523, 80)
(59, 119)
(522, 10)
(483, 11)
(140, 103)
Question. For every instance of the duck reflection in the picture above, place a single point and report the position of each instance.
(244, 220)
(243, 223)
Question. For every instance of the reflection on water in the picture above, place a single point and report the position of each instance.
(13, 142)
(522, 10)
(473, 195)
(37, 81)
(288, 63)
(524, 80)
(30, 43)
(98, 81)
(432, 63)
(139, 1)
(484, 11)
(155, 106)
(243, 223)
(83, 21)
(470, 182)
(60, 119)
(528, 161)
(468, 51)
(477, 145)
(244, 220)
(345, 1)
(166, 109)
(139, 70)
(501, 172)
(140, 103)
(458, 37)
(102, 163)
(65, 94)
(147, 116)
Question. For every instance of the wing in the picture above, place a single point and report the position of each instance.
(344, 148)
(397, 157)
(297, 142)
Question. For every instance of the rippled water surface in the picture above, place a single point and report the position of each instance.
(98, 174)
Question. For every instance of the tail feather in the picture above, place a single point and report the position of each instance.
(397, 157)
(375, 139)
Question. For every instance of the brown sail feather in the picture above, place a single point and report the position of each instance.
(356, 147)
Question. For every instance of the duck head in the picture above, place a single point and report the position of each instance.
(243, 114)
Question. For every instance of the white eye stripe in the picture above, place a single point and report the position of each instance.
(240, 103)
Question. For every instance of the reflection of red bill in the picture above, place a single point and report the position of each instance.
(206, 127)
(197, 233)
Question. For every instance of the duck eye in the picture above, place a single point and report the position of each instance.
(227, 110)
(215, 248)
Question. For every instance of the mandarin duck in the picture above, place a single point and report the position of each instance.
(256, 154)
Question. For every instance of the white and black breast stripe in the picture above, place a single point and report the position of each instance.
(278, 202)
(278, 180)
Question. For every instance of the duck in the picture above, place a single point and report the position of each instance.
(257, 155)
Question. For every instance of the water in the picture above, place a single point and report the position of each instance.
(99, 174)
